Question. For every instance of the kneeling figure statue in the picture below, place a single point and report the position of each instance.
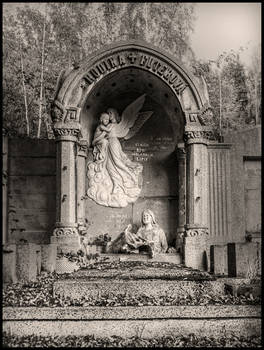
(149, 238)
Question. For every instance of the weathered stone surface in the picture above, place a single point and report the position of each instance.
(43, 201)
(129, 328)
(244, 259)
(101, 220)
(32, 184)
(218, 258)
(195, 252)
(32, 166)
(131, 312)
(152, 288)
(48, 257)
(34, 236)
(171, 258)
(32, 219)
(32, 148)
(27, 261)
(246, 143)
(9, 263)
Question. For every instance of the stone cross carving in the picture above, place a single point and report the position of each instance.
(113, 179)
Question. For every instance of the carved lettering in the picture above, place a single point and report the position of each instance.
(145, 60)
(112, 61)
(132, 57)
(95, 72)
(121, 60)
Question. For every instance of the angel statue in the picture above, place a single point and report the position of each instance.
(113, 179)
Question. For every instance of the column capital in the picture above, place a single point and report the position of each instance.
(82, 148)
(200, 134)
(67, 131)
(195, 230)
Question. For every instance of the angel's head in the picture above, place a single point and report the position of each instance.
(114, 116)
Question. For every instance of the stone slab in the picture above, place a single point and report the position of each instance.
(244, 259)
(218, 257)
(48, 257)
(9, 263)
(153, 288)
(130, 312)
(142, 328)
(27, 261)
(170, 258)
(195, 252)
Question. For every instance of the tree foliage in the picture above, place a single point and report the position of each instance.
(231, 90)
(75, 30)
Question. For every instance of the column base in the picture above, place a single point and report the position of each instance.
(195, 249)
(67, 239)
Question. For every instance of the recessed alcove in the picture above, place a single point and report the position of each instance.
(153, 146)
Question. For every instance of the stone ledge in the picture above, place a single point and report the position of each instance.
(152, 288)
(143, 328)
(174, 258)
(131, 312)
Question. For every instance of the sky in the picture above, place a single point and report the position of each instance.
(219, 27)
(224, 26)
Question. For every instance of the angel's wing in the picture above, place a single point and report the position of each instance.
(129, 116)
(142, 117)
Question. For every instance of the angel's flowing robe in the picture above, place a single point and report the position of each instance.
(114, 180)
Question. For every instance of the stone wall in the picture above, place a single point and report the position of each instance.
(245, 173)
(31, 190)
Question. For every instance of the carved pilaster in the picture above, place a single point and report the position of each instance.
(65, 233)
(181, 157)
(196, 227)
(82, 149)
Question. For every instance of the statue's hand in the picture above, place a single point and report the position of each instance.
(128, 228)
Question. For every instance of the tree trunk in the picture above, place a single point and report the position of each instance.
(24, 86)
(42, 74)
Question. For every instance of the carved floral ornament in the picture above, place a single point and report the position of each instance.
(66, 132)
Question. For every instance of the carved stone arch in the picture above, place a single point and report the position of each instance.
(74, 86)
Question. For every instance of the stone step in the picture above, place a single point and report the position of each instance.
(146, 321)
(152, 288)
(174, 258)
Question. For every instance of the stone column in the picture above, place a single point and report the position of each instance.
(81, 176)
(181, 156)
(4, 187)
(65, 233)
(196, 228)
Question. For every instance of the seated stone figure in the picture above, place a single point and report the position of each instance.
(149, 238)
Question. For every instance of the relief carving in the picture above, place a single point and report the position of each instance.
(113, 179)
(206, 115)
(196, 232)
(66, 132)
(57, 112)
(201, 134)
(65, 231)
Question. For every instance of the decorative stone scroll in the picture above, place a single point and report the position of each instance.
(65, 231)
(136, 58)
(193, 232)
